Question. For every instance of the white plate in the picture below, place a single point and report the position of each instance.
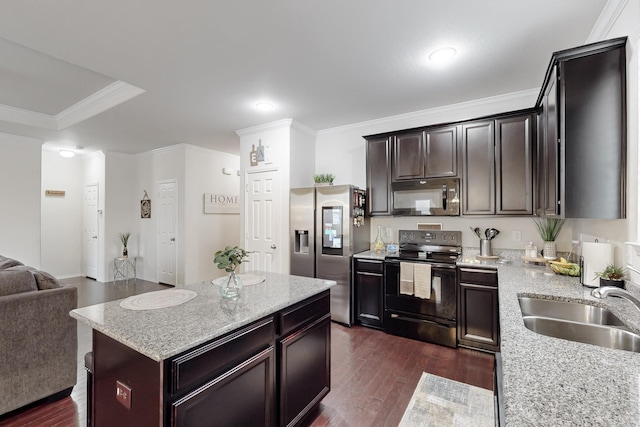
(158, 299)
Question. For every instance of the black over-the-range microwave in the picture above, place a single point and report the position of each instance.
(436, 196)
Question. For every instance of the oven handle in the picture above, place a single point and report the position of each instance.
(433, 264)
(414, 320)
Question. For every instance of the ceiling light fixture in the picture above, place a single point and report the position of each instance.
(67, 153)
(442, 55)
(264, 106)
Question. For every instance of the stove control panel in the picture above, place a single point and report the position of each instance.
(419, 237)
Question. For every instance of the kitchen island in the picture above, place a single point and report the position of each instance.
(554, 382)
(261, 359)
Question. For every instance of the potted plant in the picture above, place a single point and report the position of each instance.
(549, 228)
(229, 259)
(124, 238)
(612, 275)
(323, 179)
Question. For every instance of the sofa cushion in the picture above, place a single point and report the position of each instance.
(43, 279)
(16, 281)
(8, 262)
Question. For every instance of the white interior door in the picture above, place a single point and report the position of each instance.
(90, 233)
(262, 220)
(167, 232)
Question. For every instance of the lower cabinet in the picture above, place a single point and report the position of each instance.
(305, 371)
(478, 317)
(369, 288)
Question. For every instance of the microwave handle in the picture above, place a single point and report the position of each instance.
(444, 197)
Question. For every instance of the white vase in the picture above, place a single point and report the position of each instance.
(232, 286)
(549, 250)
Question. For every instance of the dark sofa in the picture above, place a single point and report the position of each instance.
(38, 338)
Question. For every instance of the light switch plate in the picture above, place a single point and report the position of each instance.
(123, 394)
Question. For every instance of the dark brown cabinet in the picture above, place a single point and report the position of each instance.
(497, 172)
(514, 165)
(369, 288)
(478, 317)
(478, 168)
(583, 139)
(408, 156)
(378, 176)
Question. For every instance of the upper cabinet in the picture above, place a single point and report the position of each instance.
(429, 153)
(583, 138)
(378, 176)
(478, 168)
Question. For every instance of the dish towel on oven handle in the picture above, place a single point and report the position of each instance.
(406, 278)
(422, 280)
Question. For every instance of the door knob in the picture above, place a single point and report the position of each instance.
(173, 239)
(94, 237)
(273, 246)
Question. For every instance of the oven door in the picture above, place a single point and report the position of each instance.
(441, 305)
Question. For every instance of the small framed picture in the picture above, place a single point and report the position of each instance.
(145, 208)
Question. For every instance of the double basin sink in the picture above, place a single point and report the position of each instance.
(577, 322)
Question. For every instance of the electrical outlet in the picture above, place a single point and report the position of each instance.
(516, 235)
(389, 231)
(123, 394)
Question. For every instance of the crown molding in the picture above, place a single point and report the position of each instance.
(609, 15)
(104, 99)
(462, 106)
(284, 123)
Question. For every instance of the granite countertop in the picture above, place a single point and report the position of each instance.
(549, 381)
(372, 255)
(163, 333)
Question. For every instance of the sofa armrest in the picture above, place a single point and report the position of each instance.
(38, 345)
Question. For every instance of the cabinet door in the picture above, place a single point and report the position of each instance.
(514, 164)
(478, 168)
(305, 370)
(478, 311)
(441, 152)
(243, 396)
(378, 176)
(369, 284)
(548, 160)
(408, 156)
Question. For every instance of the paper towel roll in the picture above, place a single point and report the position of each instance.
(596, 257)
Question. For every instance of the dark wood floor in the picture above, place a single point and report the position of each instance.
(373, 374)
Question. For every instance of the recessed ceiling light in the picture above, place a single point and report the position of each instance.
(443, 54)
(67, 153)
(264, 106)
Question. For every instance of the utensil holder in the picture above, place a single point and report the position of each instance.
(485, 247)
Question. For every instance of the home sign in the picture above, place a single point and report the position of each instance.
(215, 203)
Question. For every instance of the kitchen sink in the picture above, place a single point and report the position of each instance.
(563, 310)
(578, 322)
(604, 336)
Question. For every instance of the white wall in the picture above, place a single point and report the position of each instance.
(20, 163)
(61, 219)
(303, 156)
(207, 233)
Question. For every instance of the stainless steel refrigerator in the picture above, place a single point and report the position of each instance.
(327, 226)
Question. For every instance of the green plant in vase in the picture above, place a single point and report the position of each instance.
(229, 259)
(612, 275)
(549, 228)
(324, 179)
(124, 238)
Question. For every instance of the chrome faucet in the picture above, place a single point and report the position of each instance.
(613, 291)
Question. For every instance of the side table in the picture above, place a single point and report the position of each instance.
(124, 268)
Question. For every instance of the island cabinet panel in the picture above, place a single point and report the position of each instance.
(478, 316)
(514, 165)
(300, 314)
(208, 361)
(369, 288)
(441, 152)
(378, 176)
(305, 371)
(408, 156)
(243, 396)
(478, 168)
(140, 374)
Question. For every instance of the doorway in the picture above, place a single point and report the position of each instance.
(167, 226)
(90, 231)
(262, 207)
